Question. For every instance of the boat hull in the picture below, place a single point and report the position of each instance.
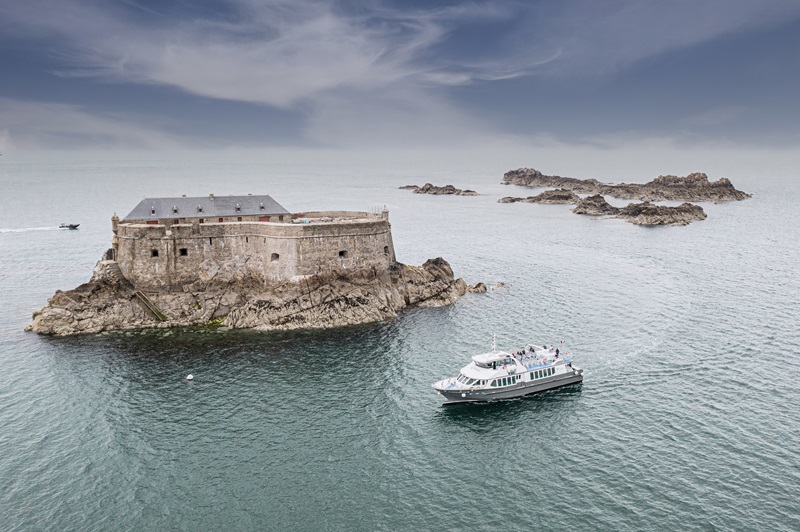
(511, 392)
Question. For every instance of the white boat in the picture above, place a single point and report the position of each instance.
(502, 375)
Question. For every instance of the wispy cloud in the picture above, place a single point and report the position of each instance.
(375, 71)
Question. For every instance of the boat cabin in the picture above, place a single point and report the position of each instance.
(494, 360)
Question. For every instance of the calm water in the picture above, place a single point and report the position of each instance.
(688, 418)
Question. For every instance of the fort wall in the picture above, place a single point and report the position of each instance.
(170, 256)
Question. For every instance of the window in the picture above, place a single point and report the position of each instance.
(154, 253)
(385, 250)
(261, 207)
(202, 220)
(246, 239)
(238, 218)
(274, 257)
(199, 208)
(343, 254)
(494, 383)
(183, 252)
(210, 241)
(152, 211)
(221, 220)
(174, 209)
(238, 209)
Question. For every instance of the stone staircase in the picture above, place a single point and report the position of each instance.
(150, 306)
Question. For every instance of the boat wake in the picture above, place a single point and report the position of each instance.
(27, 229)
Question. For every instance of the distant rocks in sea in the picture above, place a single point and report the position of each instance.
(561, 196)
(648, 214)
(428, 188)
(478, 288)
(595, 206)
(644, 213)
(693, 187)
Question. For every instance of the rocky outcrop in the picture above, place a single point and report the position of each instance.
(559, 196)
(648, 214)
(427, 188)
(332, 299)
(478, 288)
(644, 213)
(693, 187)
(595, 205)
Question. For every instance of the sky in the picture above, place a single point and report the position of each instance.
(172, 74)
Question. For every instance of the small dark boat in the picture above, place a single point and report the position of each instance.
(68, 226)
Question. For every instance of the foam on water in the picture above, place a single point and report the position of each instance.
(27, 229)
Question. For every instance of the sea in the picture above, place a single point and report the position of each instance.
(688, 418)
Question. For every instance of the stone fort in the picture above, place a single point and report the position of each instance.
(171, 243)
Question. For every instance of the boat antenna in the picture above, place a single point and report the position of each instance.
(494, 342)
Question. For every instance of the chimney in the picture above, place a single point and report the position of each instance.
(211, 197)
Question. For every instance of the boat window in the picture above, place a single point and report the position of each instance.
(494, 383)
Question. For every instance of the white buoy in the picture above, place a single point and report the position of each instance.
(189, 377)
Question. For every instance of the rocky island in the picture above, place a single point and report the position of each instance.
(595, 206)
(246, 262)
(561, 196)
(693, 187)
(428, 188)
(644, 213)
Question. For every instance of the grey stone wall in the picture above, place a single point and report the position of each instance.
(168, 256)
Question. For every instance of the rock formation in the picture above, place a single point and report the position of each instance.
(427, 188)
(110, 302)
(693, 187)
(641, 213)
(648, 214)
(478, 288)
(559, 196)
(595, 205)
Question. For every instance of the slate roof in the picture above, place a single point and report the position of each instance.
(218, 206)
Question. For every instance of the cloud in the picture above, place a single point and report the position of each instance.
(361, 74)
(36, 125)
(597, 38)
(717, 116)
